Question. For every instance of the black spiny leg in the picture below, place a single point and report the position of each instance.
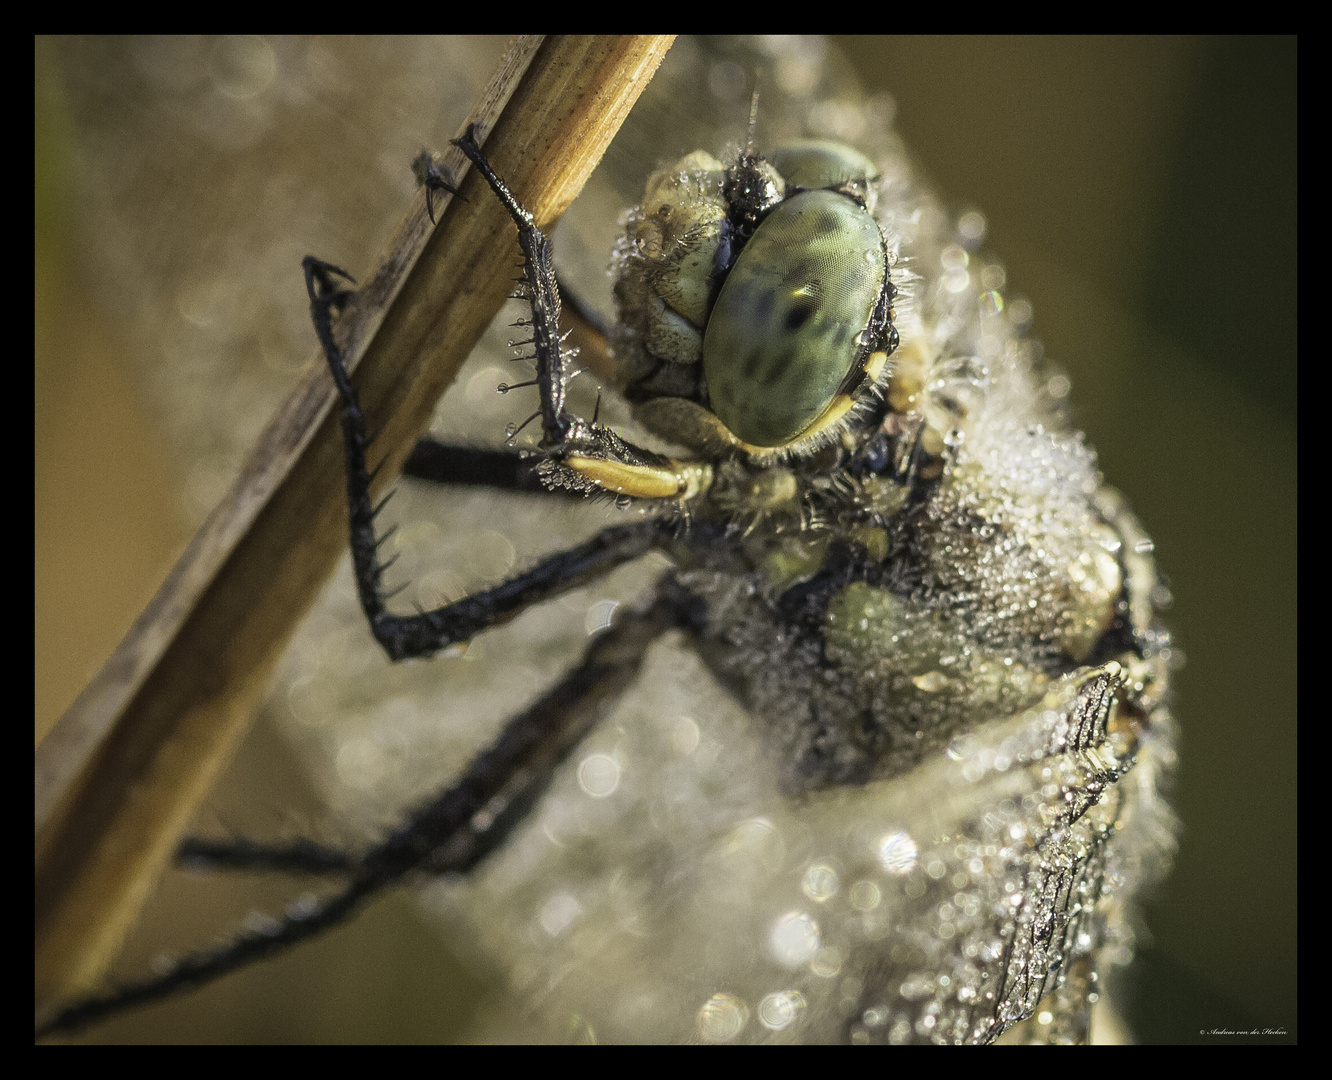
(567, 439)
(508, 469)
(544, 297)
(449, 834)
(425, 633)
(292, 857)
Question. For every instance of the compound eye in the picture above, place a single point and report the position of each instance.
(787, 326)
(816, 163)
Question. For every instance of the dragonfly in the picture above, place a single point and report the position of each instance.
(854, 909)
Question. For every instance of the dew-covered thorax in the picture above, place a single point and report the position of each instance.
(900, 768)
(935, 555)
(899, 773)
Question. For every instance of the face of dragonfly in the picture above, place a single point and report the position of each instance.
(669, 886)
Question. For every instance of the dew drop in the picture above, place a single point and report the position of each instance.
(722, 1018)
(898, 853)
(599, 775)
(820, 882)
(778, 1011)
(794, 939)
(931, 682)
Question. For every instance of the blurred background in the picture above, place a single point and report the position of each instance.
(1141, 193)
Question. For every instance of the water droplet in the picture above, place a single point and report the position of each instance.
(865, 896)
(897, 853)
(599, 615)
(794, 939)
(931, 682)
(971, 228)
(820, 882)
(778, 1011)
(722, 1018)
(242, 67)
(685, 735)
(954, 257)
(558, 912)
(599, 775)
(827, 962)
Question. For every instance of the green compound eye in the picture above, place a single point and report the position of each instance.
(814, 163)
(785, 331)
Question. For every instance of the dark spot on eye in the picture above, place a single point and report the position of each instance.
(798, 315)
